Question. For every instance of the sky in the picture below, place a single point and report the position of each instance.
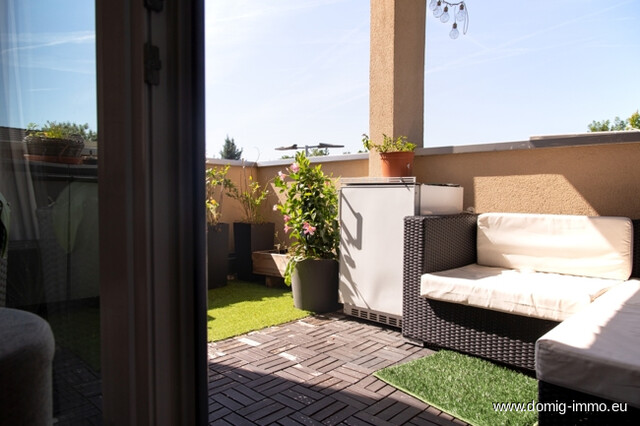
(280, 72)
(288, 71)
(47, 62)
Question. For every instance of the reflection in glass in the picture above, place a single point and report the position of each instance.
(49, 187)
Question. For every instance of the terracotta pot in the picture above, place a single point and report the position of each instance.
(397, 164)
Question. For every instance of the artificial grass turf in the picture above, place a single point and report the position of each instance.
(241, 307)
(465, 387)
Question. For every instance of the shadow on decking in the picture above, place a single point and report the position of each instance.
(314, 371)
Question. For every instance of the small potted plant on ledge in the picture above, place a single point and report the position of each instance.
(217, 233)
(396, 155)
(311, 220)
(56, 142)
(253, 233)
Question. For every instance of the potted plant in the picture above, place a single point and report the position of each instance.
(311, 220)
(217, 233)
(56, 142)
(396, 155)
(253, 233)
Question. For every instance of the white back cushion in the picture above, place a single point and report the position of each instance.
(600, 247)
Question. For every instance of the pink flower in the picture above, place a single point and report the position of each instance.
(275, 207)
(308, 229)
(294, 168)
(282, 175)
(286, 218)
(287, 228)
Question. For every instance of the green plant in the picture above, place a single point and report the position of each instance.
(216, 181)
(229, 150)
(399, 144)
(63, 130)
(251, 195)
(310, 213)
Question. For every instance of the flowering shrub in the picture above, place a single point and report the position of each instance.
(310, 212)
(216, 180)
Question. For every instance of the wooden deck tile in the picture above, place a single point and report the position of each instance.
(314, 371)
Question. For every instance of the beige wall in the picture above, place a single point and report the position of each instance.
(584, 179)
(231, 209)
(592, 180)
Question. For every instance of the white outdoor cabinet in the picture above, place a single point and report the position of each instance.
(372, 212)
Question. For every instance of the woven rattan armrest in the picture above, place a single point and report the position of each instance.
(434, 243)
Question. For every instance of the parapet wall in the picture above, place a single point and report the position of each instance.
(592, 174)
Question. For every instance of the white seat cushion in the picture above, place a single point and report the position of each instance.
(542, 295)
(597, 351)
(600, 247)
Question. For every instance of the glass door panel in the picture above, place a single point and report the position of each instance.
(48, 180)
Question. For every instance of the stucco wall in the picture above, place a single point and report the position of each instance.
(591, 180)
(396, 72)
(239, 173)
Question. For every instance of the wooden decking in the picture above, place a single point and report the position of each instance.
(318, 370)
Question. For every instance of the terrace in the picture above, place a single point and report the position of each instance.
(319, 369)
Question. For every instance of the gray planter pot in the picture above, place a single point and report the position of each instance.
(314, 284)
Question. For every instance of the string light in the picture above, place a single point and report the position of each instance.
(459, 12)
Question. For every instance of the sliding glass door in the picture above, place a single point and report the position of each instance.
(111, 91)
(49, 143)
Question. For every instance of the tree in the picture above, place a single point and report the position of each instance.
(633, 122)
(230, 150)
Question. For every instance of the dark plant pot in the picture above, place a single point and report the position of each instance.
(217, 255)
(397, 164)
(250, 237)
(314, 284)
(53, 147)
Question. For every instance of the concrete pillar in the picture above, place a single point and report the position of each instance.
(396, 76)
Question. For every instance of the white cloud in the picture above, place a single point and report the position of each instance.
(31, 41)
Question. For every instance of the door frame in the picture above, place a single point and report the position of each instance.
(152, 225)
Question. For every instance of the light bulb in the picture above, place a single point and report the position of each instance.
(433, 4)
(454, 31)
(445, 15)
(438, 10)
(461, 13)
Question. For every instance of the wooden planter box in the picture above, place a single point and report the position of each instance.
(271, 264)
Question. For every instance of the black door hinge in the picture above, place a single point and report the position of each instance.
(154, 5)
(152, 64)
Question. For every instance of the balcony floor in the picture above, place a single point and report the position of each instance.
(314, 371)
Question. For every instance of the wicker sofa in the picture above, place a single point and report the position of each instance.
(440, 243)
